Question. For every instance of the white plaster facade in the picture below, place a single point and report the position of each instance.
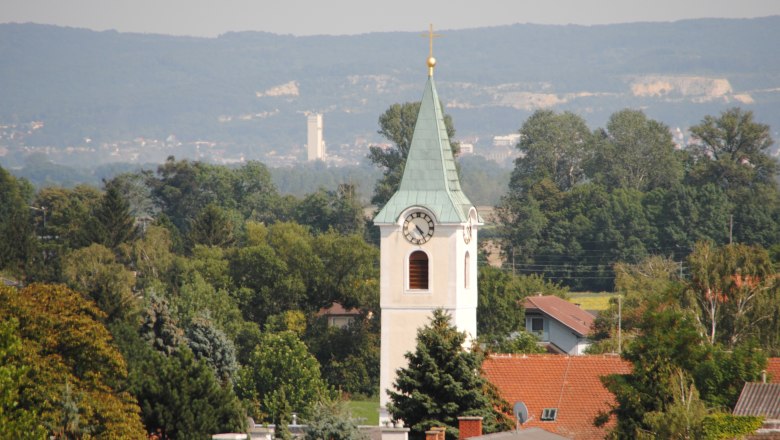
(558, 334)
(315, 146)
(452, 286)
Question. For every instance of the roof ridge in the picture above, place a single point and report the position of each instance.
(552, 356)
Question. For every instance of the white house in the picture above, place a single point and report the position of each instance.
(559, 323)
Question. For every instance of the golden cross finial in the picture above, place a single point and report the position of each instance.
(431, 59)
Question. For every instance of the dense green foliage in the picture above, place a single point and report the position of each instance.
(332, 422)
(580, 202)
(349, 356)
(209, 282)
(500, 313)
(677, 373)
(442, 382)
(18, 422)
(16, 230)
(283, 377)
(180, 397)
(727, 426)
(735, 288)
(195, 269)
(75, 375)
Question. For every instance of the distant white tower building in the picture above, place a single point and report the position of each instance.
(315, 146)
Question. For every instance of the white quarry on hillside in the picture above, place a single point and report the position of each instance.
(689, 86)
(286, 89)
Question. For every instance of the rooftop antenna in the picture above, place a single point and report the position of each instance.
(521, 414)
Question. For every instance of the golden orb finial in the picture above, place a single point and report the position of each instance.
(431, 60)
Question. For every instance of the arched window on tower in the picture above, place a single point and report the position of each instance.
(466, 271)
(418, 270)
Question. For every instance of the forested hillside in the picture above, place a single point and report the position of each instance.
(247, 92)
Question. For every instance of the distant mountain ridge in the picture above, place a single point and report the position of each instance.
(251, 90)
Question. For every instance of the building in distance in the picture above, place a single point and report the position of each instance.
(315, 146)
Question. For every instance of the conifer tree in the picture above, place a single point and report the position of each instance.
(443, 382)
(181, 398)
(113, 224)
(212, 227)
(332, 421)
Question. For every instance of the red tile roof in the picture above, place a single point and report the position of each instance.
(337, 310)
(773, 370)
(562, 311)
(569, 383)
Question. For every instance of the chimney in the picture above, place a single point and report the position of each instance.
(432, 435)
(469, 427)
(441, 430)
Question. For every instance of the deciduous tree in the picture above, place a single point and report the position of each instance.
(635, 152)
(670, 352)
(65, 342)
(728, 283)
(17, 422)
(283, 377)
(94, 272)
(553, 146)
(734, 149)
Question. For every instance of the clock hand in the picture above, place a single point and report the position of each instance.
(419, 230)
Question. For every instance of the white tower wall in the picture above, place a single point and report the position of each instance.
(405, 311)
(315, 147)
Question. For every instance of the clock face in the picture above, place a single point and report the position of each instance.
(418, 227)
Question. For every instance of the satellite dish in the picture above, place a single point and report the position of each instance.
(521, 412)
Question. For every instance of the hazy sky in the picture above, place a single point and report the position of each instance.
(335, 17)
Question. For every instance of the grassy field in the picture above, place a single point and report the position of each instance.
(591, 300)
(366, 412)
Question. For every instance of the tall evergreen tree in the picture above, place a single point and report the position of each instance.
(17, 237)
(181, 398)
(443, 382)
(212, 227)
(113, 224)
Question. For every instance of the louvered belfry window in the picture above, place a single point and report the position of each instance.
(418, 270)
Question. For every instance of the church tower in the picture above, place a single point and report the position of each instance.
(428, 246)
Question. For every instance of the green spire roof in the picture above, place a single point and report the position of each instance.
(430, 178)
